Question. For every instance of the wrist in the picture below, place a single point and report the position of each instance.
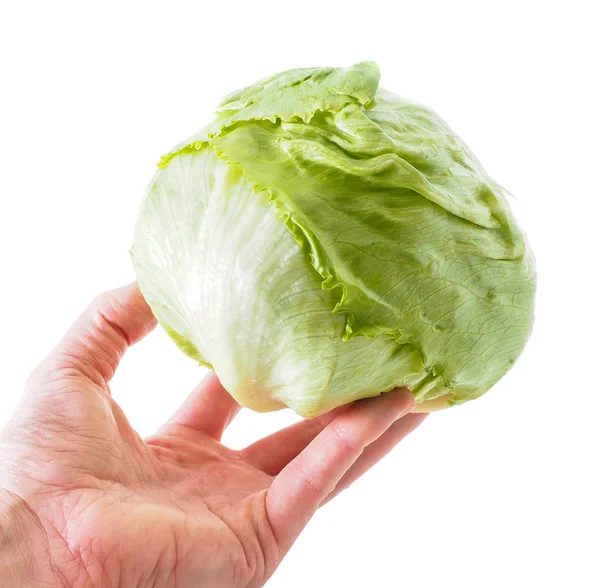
(18, 532)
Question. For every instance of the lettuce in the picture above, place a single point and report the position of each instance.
(324, 240)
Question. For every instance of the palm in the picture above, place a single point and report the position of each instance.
(178, 509)
(218, 499)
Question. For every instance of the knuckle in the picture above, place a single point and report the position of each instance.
(344, 437)
(101, 301)
(311, 486)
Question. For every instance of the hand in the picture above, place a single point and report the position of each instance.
(84, 501)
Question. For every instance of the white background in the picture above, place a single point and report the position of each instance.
(500, 492)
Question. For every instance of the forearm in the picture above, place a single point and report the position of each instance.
(18, 532)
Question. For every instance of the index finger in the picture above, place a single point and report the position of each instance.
(306, 481)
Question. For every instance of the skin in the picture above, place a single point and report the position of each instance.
(86, 502)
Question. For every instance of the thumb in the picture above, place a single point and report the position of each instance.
(96, 342)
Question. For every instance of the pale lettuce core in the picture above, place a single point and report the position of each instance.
(324, 240)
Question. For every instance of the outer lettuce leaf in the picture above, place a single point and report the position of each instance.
(233, 288)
